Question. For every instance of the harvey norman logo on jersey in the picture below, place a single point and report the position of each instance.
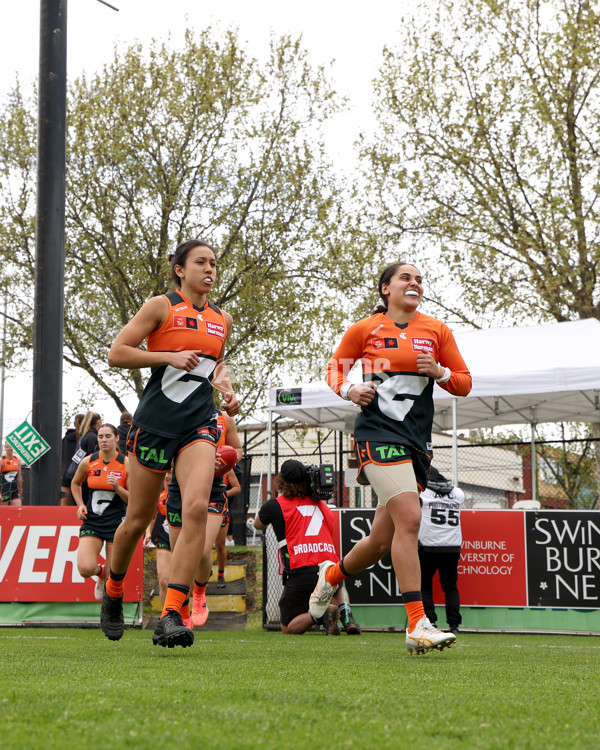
(38, 558)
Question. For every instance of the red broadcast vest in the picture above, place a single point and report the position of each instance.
(308, 531)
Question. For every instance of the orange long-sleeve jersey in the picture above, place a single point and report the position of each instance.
(402, 409)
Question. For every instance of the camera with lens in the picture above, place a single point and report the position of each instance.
(322, 481)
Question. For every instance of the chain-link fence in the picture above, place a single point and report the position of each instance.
(564, 473)
(492, 475)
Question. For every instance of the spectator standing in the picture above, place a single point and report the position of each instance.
(440, 542)
(69, 447)
(89, 433)
(123, 430)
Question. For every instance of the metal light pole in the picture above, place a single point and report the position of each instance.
(2, 364)
(50, 250)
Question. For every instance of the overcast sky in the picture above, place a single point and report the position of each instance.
(349, 33)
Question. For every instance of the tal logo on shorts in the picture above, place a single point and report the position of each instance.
(390, 451)
(150, 454)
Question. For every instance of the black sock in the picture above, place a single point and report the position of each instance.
(412, 596)
(179, 587)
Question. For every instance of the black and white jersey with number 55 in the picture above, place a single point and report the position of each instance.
(440, 520)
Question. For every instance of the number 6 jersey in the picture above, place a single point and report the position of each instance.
(105, 508)
(402, 410)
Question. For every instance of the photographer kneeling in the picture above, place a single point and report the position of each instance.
(303, 525)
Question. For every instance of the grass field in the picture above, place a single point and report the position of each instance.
(251, 689)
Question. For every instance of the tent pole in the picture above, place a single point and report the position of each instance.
(269, 451)
(454, 444)
(534, 489)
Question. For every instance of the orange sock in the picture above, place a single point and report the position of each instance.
(415, 611)
(174, 600)
(101, 574)
(114, 589)
(185, 611)
(199, 588)
(334, 575)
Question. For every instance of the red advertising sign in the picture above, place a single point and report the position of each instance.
(38, 558)
(492, 571)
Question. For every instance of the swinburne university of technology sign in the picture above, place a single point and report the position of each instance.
(509, 558)
(28, 444)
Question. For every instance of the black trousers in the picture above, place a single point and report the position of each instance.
(446, 564)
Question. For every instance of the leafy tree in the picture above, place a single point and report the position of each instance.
(566, 467)
(487, 156)
(164, 145)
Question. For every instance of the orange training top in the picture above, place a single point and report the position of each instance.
(402, 410)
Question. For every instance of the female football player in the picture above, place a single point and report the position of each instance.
(106, 474)
(175, 420)
(404, 354)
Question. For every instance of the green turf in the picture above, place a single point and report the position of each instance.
(251, 689)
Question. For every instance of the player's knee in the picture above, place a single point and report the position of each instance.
(86, 570)
(135, 525)
(379, 546)
(195, 511)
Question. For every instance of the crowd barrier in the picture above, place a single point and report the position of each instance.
(519, 571)
(39, 581)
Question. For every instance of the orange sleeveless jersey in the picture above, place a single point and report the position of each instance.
(175, 402)
(10, 464)
(402, 409)
(99, 471)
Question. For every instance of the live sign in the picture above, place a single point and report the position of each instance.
(28, 444)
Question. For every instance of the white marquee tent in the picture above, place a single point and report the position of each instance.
(521, 375)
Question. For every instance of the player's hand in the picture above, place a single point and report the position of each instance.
(362, 393)
(113, 481)
(81, 512)
(147, 538)
(426, 365)
(230, 403)
(184, 360)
